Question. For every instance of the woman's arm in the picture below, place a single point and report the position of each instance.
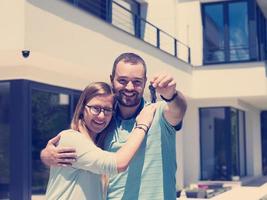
(134, 141)
(127, 151)
(94, 159)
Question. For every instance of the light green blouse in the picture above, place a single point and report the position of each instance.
(82, 180)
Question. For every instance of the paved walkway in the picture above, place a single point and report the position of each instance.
(253, 190)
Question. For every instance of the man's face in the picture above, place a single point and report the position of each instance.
(128, 83)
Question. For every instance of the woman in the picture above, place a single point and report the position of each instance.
(82, 180)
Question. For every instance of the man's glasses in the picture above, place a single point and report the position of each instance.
(96, 110)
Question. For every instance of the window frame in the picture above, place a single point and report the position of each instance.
(227, 113)
(252, 32)
(20, 138)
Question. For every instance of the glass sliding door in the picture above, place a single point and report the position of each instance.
(222, 136)
(4, 141)
(213, 144)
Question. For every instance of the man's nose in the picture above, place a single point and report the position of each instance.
(129, 86)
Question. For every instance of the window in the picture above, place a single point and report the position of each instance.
(99, 8)
(226, 32)
(214, 33)
(238, 31)
(222, 136)
(50, 115)
(51, 112)
(4, 140)
(262, 34)
(37, 112)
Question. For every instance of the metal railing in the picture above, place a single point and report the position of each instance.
(232, 54)
(124, 19)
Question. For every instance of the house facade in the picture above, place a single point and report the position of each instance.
(215, 50)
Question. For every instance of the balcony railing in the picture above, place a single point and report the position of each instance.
(126, 20)
(234, 53)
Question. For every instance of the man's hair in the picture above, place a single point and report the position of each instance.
(128, 58)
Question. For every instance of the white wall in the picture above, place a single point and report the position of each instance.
(191, 144)
(236, 80)
(162, 14)
(253, 141)
(12, 18)
(77, 40)
(189, 28)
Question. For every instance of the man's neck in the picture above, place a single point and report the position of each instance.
(127, 112)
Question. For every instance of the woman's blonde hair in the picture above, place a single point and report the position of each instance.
(91, 91)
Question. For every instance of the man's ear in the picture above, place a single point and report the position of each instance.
(145, 80)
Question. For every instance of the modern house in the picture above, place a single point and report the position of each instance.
(215, 50)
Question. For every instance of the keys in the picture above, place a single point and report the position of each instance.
(153, 96)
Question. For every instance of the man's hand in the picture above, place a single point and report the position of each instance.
(52, 155)
(176, 106)
(165, 85)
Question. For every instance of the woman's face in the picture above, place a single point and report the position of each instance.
(98, 113)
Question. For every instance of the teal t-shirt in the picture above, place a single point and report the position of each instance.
(151, 173)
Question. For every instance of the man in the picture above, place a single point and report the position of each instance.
(151, 174)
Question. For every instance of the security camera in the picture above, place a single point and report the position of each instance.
(25, 53)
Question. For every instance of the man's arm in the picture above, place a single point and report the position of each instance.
(52, 155)
(175, 108)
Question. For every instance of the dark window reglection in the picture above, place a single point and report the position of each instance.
(222, 135)
(233, 31)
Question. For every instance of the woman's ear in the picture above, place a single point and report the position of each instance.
(81, 116)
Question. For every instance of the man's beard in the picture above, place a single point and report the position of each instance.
(128, 101)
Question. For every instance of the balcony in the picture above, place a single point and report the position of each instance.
(132, 23)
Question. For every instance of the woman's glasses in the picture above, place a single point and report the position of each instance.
(96, 110)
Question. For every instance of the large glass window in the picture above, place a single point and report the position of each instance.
(222, 136)
(262, 34)
(238, 31)
(98, 8)
(214, 33)
(4, 140)
(226, 33)
(37, 112)
(213, 143)
(50, 115)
